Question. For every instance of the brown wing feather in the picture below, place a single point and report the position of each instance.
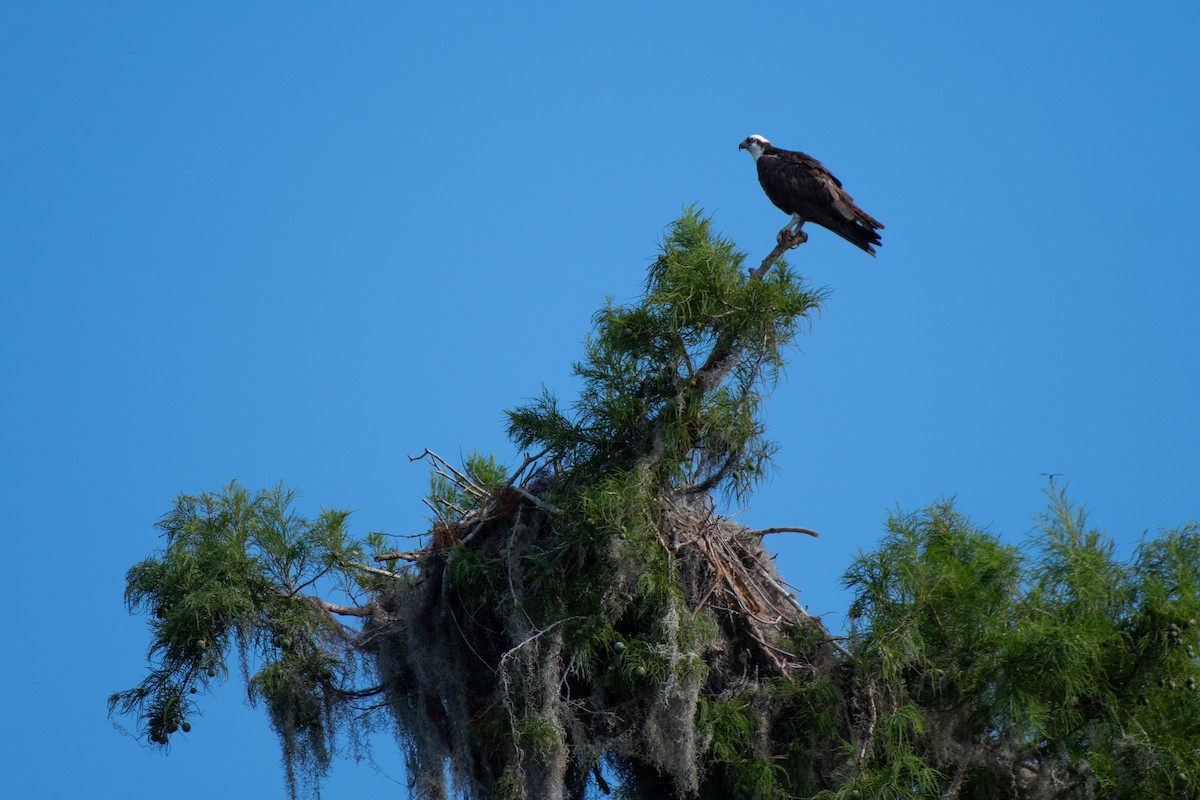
(799, 184)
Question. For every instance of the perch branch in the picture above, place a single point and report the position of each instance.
(787, 239)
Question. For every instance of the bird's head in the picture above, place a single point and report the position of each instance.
(755, 144)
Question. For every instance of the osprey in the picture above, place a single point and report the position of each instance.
(801, 186)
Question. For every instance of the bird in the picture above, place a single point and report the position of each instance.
(801, 186)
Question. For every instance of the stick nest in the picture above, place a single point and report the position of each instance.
(526, 649)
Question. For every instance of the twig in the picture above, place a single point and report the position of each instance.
(782, 529)
(562, 683)
(310, 581)
(528, 460)
(407, 555)
(773, 652)
(537, 501)
(377, 571)
(716, 477)
(464, 481)
(437, 511)
(508, 654)
(467, 641)
(784, 593)
(708, 594)
(400, 535)
(478, 527)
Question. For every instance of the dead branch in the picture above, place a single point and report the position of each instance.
(436, 511)
(537, 501)
(376, 570)
(483, 521)
(461, 479)
(340, 610)
(407, 555)
(524, 464)
(782, 529)
(512, 651)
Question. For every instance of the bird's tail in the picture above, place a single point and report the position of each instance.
(861, 232)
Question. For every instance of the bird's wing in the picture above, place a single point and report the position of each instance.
(824, 189)
(824, 185)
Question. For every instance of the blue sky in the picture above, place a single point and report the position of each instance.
(303, 241)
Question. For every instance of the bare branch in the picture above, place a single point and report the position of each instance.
(718, 475)
(782, 529)
(461, 479)
(376, 570)
(512, 651)
(524, 464)
(340, 610)
(787, 239)
(407, 555)
(537, 501)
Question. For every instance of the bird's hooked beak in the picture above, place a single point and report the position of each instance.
(742, 146)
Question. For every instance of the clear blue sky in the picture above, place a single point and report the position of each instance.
(301, 241)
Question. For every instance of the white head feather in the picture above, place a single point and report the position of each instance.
(755, 144)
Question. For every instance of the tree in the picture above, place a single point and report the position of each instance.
(592, 619)
(985, 673)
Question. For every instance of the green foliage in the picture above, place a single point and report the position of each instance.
(568, 620)
(232, 577)
(938, 592)
(1057, 661)
(730, 723)
(772, 738)
(675, 381)
(672, 387)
